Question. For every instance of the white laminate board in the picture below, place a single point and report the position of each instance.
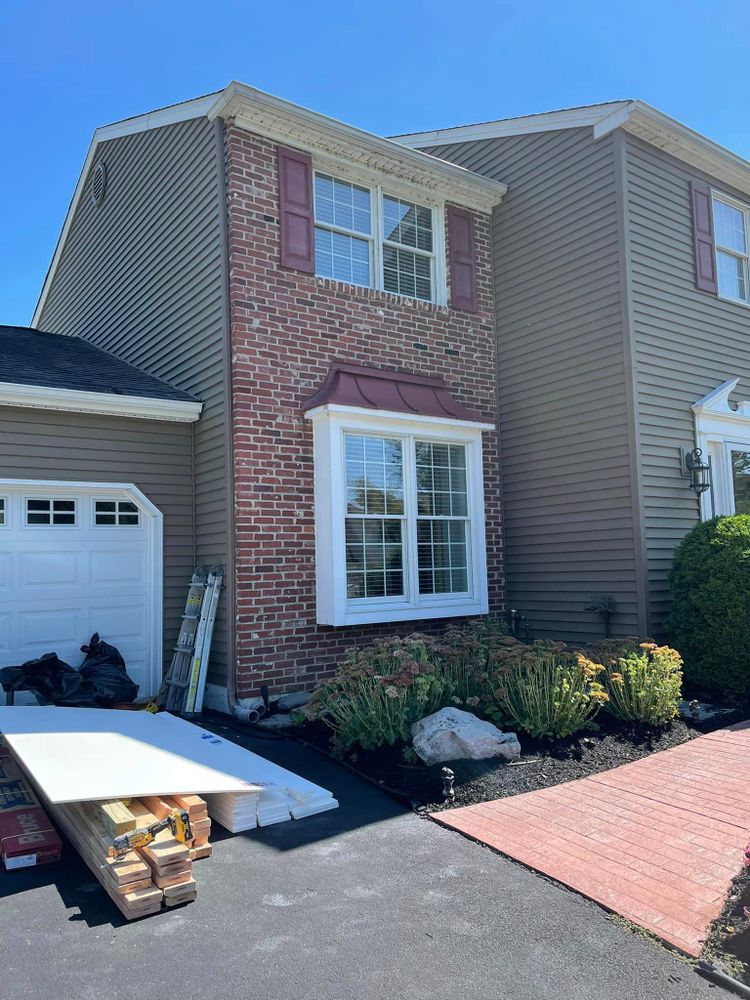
(215, 751)
(80, 754)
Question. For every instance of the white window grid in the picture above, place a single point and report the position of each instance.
(124, 513)
(4, 512)
(59, 512)
(377, 242)
(410, 520)
(742, 259)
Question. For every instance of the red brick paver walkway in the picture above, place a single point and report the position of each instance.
(657, 841)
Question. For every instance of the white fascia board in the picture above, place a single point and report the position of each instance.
(128, 126)
(672, 137)
(309, 130)
(112, 404)
(549, 121)
(397, 418)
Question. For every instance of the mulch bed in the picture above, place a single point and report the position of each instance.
(543, 762)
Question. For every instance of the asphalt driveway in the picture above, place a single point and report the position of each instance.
(362, 903)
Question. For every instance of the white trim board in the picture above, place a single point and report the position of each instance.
(41, 397)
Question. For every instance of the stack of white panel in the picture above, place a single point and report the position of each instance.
(80, 754)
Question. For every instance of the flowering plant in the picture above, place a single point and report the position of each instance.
(546, 689)
(644, 683)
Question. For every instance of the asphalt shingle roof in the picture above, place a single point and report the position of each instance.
(31, 357)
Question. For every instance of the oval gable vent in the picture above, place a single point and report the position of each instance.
(99, 184)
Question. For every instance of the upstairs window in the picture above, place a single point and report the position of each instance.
(370, 238)
(731, 236)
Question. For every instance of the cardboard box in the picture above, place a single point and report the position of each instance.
(27, 836)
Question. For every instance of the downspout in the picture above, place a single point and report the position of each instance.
(244, 713)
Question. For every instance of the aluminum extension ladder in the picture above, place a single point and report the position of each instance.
(184, 684)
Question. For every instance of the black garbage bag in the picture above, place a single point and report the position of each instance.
(100, 682)
(104, 668)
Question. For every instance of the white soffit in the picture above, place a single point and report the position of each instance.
(84, 754)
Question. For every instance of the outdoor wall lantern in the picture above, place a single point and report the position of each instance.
(698, 471)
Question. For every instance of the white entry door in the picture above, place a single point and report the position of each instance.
(77, 559)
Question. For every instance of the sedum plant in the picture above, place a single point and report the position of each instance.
(546, 689)
(644, 683)
(381, 690)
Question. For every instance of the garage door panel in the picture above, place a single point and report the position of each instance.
(50, 628)
(119, 624)
(118, 567)
(6, 638)
(51, 569)
(6, 574)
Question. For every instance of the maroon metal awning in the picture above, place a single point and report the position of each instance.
(384, 389)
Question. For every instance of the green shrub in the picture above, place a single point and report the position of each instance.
(644, 683)
(381, 690)
(546, 689)
(710, 583)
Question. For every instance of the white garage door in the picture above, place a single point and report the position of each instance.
(78, 559)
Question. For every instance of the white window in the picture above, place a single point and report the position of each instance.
(369, 237)
(51, 512)
(731, 235)
(115, 513)
(722, 432)
(399, 517)
(3, 512)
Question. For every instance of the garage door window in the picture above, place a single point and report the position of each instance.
(3, 514)
(51, 512)
(115, 513)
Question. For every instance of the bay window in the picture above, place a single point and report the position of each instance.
(399, 517)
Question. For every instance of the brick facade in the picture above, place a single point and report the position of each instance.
(286, 329)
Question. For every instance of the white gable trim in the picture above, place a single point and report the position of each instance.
(113, 404)
(548, 121)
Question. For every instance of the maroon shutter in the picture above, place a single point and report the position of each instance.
(296, 210)
(463, 267)
(703, 237)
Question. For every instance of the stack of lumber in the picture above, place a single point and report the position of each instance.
(146, 878)
(127, 879)
(169, 860)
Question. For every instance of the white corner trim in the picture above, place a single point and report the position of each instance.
(548, 121)
(78, 401)
(283, 121)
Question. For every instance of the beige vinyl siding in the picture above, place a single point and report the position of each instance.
(154, 455)
(141, 277)
(687, 342)
(563, 407)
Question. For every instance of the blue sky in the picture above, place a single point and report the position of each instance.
(66, 68)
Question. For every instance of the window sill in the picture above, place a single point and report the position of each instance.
(426, 612)
(734, 302)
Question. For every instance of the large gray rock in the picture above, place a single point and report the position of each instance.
(451, 734)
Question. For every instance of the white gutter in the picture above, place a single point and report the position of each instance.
(112, 404)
